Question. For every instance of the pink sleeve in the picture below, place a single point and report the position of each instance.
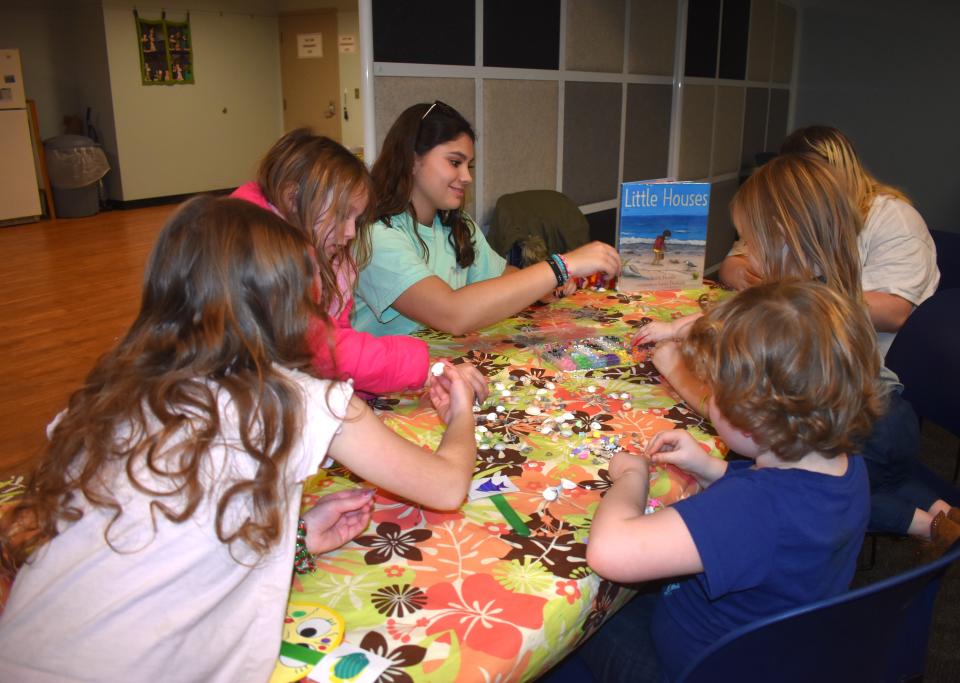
(377, 365)
(251, 192)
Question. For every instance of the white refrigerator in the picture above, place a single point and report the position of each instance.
(19, 194)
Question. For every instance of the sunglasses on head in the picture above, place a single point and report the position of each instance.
(442, 107)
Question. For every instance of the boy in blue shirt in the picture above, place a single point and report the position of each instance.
(793, 373)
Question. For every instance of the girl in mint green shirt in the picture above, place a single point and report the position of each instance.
(431, 265)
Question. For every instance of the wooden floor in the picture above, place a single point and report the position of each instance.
(68, 289)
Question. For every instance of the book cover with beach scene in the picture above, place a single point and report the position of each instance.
(662, 238)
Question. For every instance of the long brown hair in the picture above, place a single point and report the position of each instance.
(795, 364)
(799, 223)
(416, 131)
(311, 180)
(837, 150)
(227, 296)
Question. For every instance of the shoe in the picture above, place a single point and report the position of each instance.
(944, 532)
(954, 514)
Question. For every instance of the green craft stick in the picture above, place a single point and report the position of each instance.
(300, 653)
(509, 514)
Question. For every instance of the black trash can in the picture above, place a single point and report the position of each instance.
(76, 165)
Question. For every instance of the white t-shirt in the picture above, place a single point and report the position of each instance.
(173, 605)
(897, 255)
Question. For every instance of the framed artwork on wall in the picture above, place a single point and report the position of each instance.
(166, 51)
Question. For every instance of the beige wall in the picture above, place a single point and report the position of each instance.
(191, 138)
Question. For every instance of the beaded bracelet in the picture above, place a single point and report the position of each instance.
(557, 273)
(556, 258)
(566, 266)
(302, 559)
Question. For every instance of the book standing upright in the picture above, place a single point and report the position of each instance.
(662, 236)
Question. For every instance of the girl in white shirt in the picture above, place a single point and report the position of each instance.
(898, 258)
(156, 538)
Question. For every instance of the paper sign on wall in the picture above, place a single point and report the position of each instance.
(347, 44)
(309, 45)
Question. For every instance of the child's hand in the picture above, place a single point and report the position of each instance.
(623, 462)
(337, 518)
(738, 272)
(451, 394)
(468, 371)
(476, 379)
(677, 447)
(666, 358)
(593, 257)
(654, 332)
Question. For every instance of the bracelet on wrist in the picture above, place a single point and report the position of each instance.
(562, 265)
(302, 558)
(566, 266)
(557, 273)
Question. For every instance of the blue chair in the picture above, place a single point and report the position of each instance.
(924, 355)
(948, 257)
(875, 633)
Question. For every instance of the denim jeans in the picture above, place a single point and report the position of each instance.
(622, 650)
(891, 458)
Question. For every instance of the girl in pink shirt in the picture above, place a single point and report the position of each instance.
(319, 187)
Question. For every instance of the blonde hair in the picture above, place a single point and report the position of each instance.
(312, 180)
(798, 223)
(795, 364)
(837, 150)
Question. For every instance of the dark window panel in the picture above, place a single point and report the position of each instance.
(424, 31)
(734, 31)
(521, 35)
(603, 226)
(703, 31)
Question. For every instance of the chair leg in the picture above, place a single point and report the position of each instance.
(867, 565)
(956, 465)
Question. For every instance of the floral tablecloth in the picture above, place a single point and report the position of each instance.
(482, 594)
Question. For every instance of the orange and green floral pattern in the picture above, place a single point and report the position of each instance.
(467, 595)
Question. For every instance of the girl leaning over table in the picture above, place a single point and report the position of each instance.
(156, 539)
(798, 222)
(898, 259)
(430, 264)
(320, 188)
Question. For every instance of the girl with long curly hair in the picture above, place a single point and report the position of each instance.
(156, 538)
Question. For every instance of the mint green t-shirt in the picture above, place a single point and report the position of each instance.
(398, 261)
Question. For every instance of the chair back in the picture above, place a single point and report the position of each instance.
(547, 214)
(948, 257)
(875, 633)
(924, 356)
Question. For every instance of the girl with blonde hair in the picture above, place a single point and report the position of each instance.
(898, 258)
(320, 188)
(170, 489)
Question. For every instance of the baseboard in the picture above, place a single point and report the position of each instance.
(122, 205)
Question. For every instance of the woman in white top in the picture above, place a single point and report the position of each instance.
(898, 259)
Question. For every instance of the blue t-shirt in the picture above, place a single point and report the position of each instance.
(770, 540)
(398, 261)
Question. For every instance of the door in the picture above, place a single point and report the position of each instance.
(19, 196)
(309, 72)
